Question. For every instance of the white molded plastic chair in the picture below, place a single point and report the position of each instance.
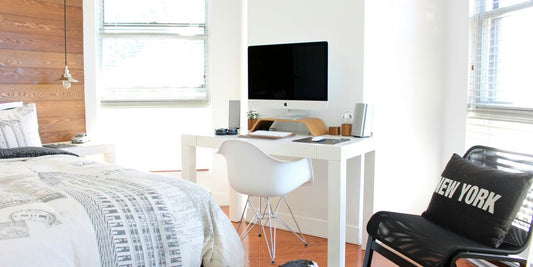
(254, 173)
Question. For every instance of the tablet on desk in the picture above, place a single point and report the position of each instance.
(326, 141)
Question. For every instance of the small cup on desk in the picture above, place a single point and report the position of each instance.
(346, 129)
(334, 130)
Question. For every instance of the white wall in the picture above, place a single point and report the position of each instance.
(456, 82)
(408, 47)
(404, 76)
(340, 22)
(225, 79)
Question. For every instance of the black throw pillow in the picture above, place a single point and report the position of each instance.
(477, 202)
(23, 152)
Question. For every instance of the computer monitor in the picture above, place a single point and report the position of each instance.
(288, 76)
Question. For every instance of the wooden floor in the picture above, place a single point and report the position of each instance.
(289, 248)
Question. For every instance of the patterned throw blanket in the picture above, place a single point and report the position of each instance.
(60, 210)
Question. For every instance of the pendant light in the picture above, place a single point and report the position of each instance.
(66, 78)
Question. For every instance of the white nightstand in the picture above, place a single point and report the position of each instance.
(88, 149)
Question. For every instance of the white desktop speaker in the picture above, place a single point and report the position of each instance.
(234, 118)
(362, 120)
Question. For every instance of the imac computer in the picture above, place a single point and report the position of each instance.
(288, 76)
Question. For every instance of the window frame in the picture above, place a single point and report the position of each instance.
(151, 30)
(492, 124)
(479, 47)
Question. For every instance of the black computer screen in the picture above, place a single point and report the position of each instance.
(297, 71)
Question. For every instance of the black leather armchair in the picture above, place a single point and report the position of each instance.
(413, 240)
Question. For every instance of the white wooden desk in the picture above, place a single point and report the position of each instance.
(336, 156)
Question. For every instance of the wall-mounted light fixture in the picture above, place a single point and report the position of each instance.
(66, 78)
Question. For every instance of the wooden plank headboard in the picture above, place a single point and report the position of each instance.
(32, 59)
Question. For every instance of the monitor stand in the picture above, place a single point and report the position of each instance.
(293, 114)
(314, 125)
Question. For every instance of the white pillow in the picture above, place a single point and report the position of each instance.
(19, 127)
(9, 105)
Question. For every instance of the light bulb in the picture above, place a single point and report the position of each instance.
(67, 84)
(67, 79)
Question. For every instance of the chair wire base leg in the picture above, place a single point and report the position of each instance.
(272, 232)
(300, 236)
(264, 215)
(256, 219)
(243, 212)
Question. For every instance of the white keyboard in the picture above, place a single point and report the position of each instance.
(270, 134)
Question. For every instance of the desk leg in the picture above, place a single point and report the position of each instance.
(367, 199)
(188, 162)
(336, 212)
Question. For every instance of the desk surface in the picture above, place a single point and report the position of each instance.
(286, 147)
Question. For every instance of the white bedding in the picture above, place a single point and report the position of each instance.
(60, 210)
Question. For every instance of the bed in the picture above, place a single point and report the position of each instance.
(57, 209)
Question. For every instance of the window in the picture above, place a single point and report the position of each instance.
(500, 98)
(153, 50)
